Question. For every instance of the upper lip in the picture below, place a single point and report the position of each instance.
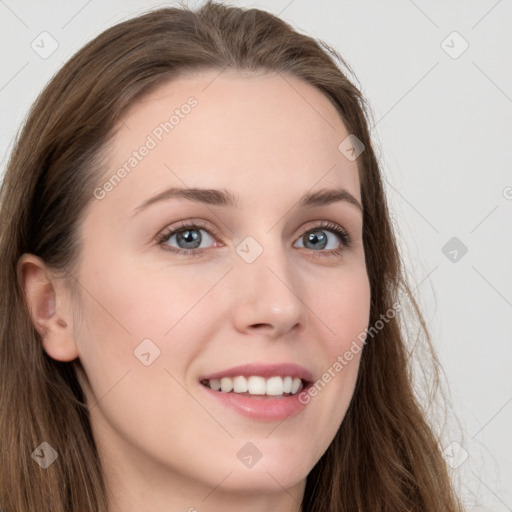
(263, 370)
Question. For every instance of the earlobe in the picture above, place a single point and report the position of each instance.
(47, 304)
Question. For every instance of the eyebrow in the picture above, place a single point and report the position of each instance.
(221, 197)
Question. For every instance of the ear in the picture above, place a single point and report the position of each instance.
(48, 303)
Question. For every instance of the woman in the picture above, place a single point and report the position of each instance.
(201, 284)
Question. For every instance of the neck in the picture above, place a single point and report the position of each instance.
(131, 488)
(135, 482)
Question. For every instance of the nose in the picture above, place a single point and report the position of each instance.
(267, 296)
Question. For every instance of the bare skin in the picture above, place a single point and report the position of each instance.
(166, 445)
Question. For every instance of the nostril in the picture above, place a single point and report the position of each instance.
(260, 325)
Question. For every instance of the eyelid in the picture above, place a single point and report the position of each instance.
(328, 225)
(171, 230)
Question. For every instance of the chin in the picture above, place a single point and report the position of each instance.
(269, 474)
(261, 481)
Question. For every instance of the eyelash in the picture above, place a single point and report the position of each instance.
(346, 240)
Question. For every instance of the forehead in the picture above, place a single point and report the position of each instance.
(252, 133)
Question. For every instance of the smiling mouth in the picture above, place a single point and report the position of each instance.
(257, 386)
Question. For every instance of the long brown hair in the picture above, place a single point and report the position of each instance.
(385, 456)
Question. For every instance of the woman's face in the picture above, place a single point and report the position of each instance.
(191, 286)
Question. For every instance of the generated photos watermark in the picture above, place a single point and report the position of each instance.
(344, 359)
(156, 136)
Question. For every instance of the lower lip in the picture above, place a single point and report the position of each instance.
(260, 407)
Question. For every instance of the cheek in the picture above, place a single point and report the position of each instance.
(123, 309)
(345, 311)
(125, 305)
(178, 308)
(142, 301)
(346, 307)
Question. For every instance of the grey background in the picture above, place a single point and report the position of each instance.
(444, 132)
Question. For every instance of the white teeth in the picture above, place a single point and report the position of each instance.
(256, 385)
(275, 386)
(226, 384)
(215, 384)
(296, 384)
(240, 385)
(287, 384)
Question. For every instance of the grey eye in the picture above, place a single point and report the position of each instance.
(319, 239)
(189, 238)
